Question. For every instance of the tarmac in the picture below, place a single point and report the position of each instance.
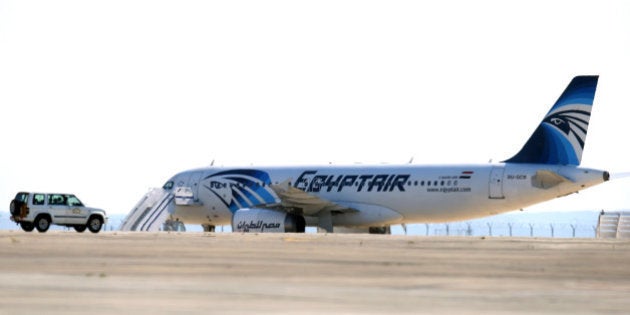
(230, 273)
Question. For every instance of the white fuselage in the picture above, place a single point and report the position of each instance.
(383, 194)
(286, 199)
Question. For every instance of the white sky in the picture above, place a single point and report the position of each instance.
(106, 99)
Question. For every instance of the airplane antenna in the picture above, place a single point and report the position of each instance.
(212, 163)
(411, 160)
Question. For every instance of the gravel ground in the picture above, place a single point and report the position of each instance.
(225, 273)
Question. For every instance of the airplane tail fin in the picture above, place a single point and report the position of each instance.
(560, 137)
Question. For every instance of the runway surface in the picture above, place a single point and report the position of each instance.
(192, 273)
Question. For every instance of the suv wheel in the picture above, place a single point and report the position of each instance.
(94, 224)
(42, 223)
(27, 226)
(80, 228)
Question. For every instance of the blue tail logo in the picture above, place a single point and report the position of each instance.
(560, 137)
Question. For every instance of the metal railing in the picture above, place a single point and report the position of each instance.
(613, 224)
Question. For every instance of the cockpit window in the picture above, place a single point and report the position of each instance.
(168, 185)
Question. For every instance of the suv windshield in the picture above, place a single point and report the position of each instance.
(74, 201)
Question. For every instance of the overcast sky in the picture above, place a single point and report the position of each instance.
(106, 99)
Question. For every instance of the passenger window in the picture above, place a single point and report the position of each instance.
(56, 200)
(23, 197)
(38, 199)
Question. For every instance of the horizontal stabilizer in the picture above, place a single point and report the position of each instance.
(546, 179)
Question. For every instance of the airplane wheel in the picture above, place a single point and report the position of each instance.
(380, 230)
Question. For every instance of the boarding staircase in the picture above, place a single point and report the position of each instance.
(614, 224)
(150, 213)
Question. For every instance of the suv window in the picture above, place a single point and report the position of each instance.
(56, 200)
(74, 201)
(38, 199)
(23, 197)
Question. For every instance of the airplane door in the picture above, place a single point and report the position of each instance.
(496, 183)
(189, 184)
(193, 184)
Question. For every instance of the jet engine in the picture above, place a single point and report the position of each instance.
(267, 221)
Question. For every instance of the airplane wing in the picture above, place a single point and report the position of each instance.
(292, 197)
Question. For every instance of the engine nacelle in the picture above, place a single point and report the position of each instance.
(267, 221)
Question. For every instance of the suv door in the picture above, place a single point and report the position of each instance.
(59, 210)
(76, 211)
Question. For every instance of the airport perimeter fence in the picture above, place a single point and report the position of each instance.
(583, 228)
(457, 229)
(477, 228)
(551, 229)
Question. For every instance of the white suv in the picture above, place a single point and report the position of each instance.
(39, 210)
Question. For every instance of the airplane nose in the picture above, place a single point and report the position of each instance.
(606, 176)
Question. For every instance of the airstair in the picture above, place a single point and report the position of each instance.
(614, 224)
(150, 213)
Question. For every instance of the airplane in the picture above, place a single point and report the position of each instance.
(363, 198)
